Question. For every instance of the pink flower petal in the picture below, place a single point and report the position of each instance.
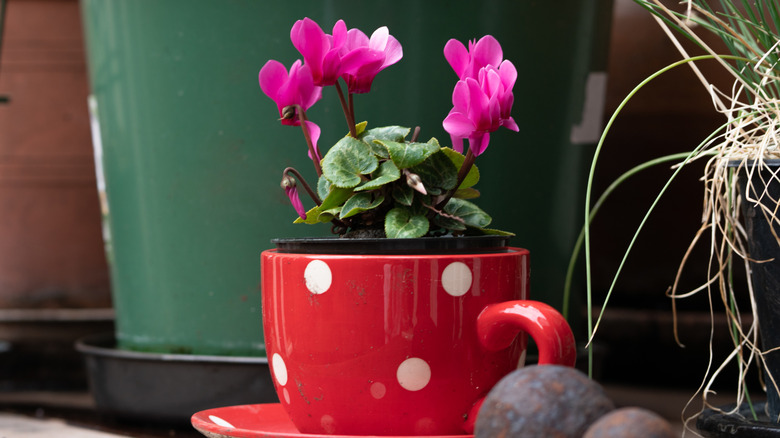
(295, 88)
(331, 68)
(460, 97)
(378, 39)
(307, 36)
(486, 52)
(508, 74)
(457, 55)
(458, 125)
(355, 39)
(478, 105)
(359, 67)
(492, 82)
(494, 114)
(295, 200)
(457, 143)
(506, 101)
(393, 51)
(358, 58)
(271, 77)
(339, 34)
(291, 92)
(479, 143)
(314, 135)
(510, 124)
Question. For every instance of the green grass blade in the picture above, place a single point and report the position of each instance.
(589, 186)
(603, 198)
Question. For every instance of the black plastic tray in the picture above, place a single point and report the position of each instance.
(169, 388)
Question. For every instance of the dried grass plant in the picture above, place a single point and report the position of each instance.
(748, 138)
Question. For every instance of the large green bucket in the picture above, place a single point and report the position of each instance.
(192, 150)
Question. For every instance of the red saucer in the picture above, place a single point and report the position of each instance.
(256, 421)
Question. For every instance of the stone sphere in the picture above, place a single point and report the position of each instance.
(630, 423)
(548, 401)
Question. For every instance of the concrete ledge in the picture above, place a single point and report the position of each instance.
(18, 426)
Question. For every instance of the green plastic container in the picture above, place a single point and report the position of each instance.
(192, 151)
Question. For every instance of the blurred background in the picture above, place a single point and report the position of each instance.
(58, 276)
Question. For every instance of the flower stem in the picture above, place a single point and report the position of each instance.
(351, 107)
(315, 156)
(303, 182)
(347, 111)
(468, 163)
(415, 134)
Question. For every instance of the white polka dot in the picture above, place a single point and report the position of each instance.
(413, 374)
(318, 277)
(220, 422)
(286, 395)
(328, 423)
(425, 426)
(456, 279)
(378, 390)
(280, 369)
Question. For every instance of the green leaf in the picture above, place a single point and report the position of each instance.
(323, 187)
(403, 194)
(347, 161)
(469, 193)
(315, 216)
(494, 232)
(386, 173)
(406, 155)
(401, 224)
(472, 215)
(360, 203)
(449, 223)
(328, 215)
(336, 196)
(332, 196)
(360, 127)
(457, 159)
(386, 133)
(379, 150)
(437, 172)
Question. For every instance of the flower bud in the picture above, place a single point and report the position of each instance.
(415, 182)
(288, 182)
(288, 112)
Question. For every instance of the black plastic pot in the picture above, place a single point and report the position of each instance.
(716, 424)
(764, 252)
(421, 245)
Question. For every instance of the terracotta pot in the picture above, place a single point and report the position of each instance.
(400, 344)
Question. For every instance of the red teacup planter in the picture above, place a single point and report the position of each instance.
(399, 343)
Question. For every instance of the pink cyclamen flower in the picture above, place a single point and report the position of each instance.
(289, 90)
(468, 62)
(320, 51)
(362, 58)
(480, 106)
(291, 189)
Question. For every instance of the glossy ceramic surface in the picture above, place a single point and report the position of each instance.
(399, 345)
(256, 421)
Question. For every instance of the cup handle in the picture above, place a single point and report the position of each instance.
(499, 324)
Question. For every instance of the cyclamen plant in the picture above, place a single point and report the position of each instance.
(374, 182)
